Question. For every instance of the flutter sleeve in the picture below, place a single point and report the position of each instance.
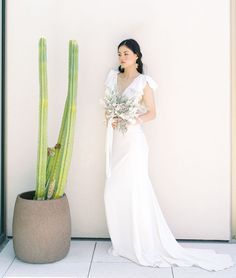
(143, 82)
(109, 80)
(151, 82)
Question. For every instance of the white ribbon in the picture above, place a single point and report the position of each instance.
(109, 139)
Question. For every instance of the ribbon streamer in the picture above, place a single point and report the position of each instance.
(109, 139)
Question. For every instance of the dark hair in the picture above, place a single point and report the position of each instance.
(134, 46)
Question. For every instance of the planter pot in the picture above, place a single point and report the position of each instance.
(41, 228)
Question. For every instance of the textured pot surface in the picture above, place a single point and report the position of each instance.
(41, 229)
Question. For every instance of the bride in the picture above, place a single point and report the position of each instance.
(137, 227)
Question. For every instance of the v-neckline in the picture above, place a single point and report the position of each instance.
(121, 94)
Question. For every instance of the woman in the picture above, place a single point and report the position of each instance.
(136, 224)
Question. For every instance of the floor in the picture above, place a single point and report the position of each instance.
(89, 258)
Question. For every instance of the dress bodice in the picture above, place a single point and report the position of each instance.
(135, 89)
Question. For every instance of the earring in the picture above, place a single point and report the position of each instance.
(136, 65)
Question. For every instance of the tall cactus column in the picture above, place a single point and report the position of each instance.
(67, 135)
(43, 110)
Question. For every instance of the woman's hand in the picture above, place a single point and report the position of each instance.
(115, 122)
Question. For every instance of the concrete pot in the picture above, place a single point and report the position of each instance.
(41, 229)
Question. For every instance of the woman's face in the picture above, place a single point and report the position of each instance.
(126, 56)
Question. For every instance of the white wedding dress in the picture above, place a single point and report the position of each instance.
(135, 221)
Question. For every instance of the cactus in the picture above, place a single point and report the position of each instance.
(43, 110)
(64, 157)
(57, 161)
(55, 164)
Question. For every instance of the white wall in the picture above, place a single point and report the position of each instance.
(1, 196)
(185, 46)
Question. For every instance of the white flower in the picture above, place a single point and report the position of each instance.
(120, 106)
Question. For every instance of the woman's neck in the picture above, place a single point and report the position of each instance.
(130, 72)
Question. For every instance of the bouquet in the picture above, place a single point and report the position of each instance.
(121, 107)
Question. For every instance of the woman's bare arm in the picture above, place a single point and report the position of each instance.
(149, 102)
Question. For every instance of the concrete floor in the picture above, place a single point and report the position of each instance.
(89, 258)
